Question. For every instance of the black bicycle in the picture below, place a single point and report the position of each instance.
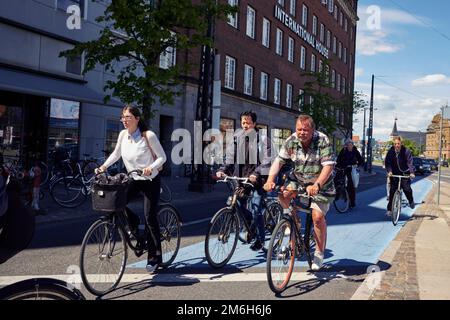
(104, 252)
(288, 242)
(342, 200)
(40, 289)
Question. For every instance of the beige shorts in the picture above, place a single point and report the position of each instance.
(320, 206)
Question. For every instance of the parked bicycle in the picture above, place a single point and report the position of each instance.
(104, 248)
(397, 198)
(288, 242)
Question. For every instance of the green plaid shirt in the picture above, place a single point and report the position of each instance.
(308, 165)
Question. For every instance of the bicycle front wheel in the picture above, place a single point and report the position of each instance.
(396, 207)
(221, 238)
(170, 229)
(103, 257)
(273, 215)
(40, 289)
(68, 192)
(342, 200)
(281, 256)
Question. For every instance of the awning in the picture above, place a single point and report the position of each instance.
(28, 83)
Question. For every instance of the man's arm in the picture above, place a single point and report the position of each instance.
(387, 162)
(409, 161)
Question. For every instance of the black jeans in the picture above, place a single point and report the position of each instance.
(350, 187)
(406, 186)
(151, 191)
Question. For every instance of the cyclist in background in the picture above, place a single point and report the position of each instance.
(348, 157)
(399, 161)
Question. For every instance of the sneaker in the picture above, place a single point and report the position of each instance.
(249, 237)
(257, 245)
(412, 205)
(318, 261)
(153, 263)
(389, 213)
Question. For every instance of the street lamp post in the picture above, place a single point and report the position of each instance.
(364, 141)
(370, 133)
(440, 154)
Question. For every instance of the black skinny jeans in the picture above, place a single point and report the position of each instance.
(406, 186)
(151, 191)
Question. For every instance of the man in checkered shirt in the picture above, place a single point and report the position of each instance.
(313, 161)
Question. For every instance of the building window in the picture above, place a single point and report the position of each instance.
(346, 25)
(338, 84)
(292, 7)
(113, 128)
(289, 95)
(251, 17)
(345, 55)
(277, 91)
(301, 99)
(305, 16)
(333, 79)
(233, 18)
(74, 64)
(313, 63)
(62, 5)
(63, 126)
(291, 45)
(341, 19)
(302, 58)
(335, 12)
(266, 33)
(230, 71)
(279, 44)
(264, 85)
(314, 26)
(340, 50)
(320, 66)
(279, 136)
(168, 58)
(343, 88)
(330, 6)
(322, 33)
(248, 80)
(334, 45)
(281, 3)
(328, 39)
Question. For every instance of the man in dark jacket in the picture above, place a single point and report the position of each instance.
(399, 161)
(348, 157)
(251, 160)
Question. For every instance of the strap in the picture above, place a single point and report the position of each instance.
(148, 144)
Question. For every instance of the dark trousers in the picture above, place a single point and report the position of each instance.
(406, 186)
(350, 187)
(151, 191)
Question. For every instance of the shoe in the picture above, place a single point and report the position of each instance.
(389, 213)
(318, 261)
(249, 237)
(153, 263)
(412, 205)
(257, 245)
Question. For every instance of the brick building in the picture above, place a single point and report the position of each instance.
(433, 134)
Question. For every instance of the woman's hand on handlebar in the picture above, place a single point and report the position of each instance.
(100, 169)
(147, 171)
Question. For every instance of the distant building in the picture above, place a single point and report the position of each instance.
(432, 139)
(418, 137)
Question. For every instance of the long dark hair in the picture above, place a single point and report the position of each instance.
(137, 113)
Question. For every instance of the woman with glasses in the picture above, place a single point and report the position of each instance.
(140, 149)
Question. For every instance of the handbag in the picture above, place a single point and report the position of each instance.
(355, 177)
(151, 150)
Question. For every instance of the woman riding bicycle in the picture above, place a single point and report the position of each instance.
(348, 157)
(140, 149)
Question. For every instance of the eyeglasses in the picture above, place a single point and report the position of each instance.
(126, 118)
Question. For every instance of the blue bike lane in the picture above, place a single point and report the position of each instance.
(355, 239)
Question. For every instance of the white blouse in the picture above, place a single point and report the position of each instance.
(136, 153)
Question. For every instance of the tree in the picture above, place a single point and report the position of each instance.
(137, 32)
(323, 107)
(411, 145)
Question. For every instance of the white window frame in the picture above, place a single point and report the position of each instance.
(304, 15)
(248, 79)
(302, 58)
(343, 83)
(320, 65)
(168, 58)
(293, 7)
(301, 100)
(333, 78)
(277, 91)
(230, 72)
(291, 46)
(340, 50)
(279, 42)
(251, 20)
(266, 33)
(334, 44)
(331, 6)
(281, 2)
(314, 25)
(264, 85)
(341, 19)
(328, 39)
(289, 90)
(313, 62)
(338, 82)
(232, 19)
(345, 55)
(346, 24)
(335, 12)
(322, 33)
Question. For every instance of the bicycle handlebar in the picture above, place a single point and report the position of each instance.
(397, 176)
(243, 180)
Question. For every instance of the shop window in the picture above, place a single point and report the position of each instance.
(11, 118)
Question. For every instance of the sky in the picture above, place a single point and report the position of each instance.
(406, 45)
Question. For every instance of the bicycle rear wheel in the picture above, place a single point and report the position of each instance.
(170, 229)
(40, 289)
(166, 194)
(342, 200)
(68, 192)
(221, 238)
(281, 256)
(396, 207)
(103, 257)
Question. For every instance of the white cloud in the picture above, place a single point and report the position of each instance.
(431, 80)
(389, 17)
(359, 72)
(372, 43)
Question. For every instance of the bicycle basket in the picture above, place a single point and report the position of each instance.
(109, 193)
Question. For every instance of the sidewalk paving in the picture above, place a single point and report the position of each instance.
(419, 256)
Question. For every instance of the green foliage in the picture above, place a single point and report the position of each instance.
(136, 33)
(411, 145)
